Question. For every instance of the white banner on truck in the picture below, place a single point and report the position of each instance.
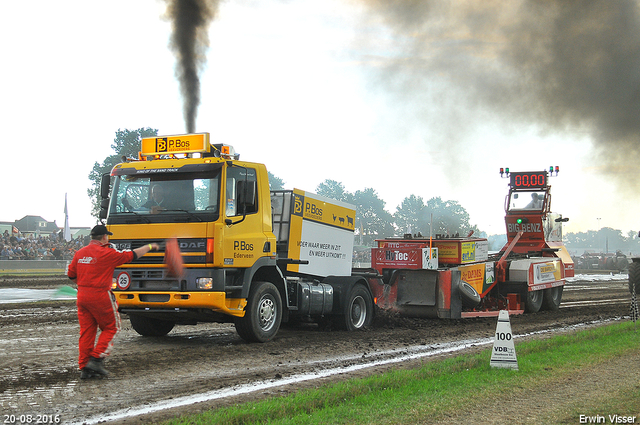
(321, 232)
(328, 250)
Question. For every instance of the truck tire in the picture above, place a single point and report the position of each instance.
(551, 298)
(470, 297)
(358, 309)
(263, 314)
(147, 326)
(533, 302)
(634, 277)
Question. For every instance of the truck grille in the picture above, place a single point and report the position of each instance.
(147, 259)
(147, 274)
(193, 250)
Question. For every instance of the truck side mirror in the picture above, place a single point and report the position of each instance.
(247, 194)
(105, 185)
(104, 207)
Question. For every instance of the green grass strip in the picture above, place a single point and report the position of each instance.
(439, 389)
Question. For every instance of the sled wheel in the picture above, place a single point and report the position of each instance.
(551, 298)
(533, 301)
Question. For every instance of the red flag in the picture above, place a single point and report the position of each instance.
(173, 259)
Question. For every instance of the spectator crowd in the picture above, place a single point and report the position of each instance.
(31, 247)
(54, 247)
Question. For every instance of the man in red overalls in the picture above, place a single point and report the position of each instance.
(92, 269)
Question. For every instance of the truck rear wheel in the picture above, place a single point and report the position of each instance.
(533, 301)
(358, 309)
(634, 276)
(263, 314)
(551, 298)
(147, 326)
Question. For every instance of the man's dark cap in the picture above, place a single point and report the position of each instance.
(100, 230)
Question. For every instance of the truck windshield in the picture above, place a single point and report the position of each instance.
(163, 198)
(525, 200)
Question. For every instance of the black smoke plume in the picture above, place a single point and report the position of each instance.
(563, 66)
(189, 41)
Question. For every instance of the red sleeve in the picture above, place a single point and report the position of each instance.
(72, 271)
(115, 257)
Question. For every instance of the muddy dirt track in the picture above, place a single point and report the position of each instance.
(38, 354)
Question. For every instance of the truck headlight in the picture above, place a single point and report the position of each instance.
(204, 282)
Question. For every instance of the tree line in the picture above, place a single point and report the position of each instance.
(373, 221)
(604, 240)
(435, 216)
(415, 216)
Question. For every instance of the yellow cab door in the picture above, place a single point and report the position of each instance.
(243, 239)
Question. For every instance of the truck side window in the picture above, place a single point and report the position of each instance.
(234, 175)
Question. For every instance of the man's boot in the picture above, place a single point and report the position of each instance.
(95, 365)
(87, 374)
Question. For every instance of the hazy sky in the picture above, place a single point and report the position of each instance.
(406, 97)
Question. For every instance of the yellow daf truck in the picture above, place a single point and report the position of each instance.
(251, 256)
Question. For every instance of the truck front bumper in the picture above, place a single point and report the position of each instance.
(216, 301)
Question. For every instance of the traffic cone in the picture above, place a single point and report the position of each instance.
(503, 354)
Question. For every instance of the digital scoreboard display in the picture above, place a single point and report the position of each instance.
(528, 179)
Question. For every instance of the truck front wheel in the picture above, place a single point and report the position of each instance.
(358, 309)
(263, 314)
(147, 326)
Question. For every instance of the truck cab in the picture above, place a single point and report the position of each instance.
(235, 268)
